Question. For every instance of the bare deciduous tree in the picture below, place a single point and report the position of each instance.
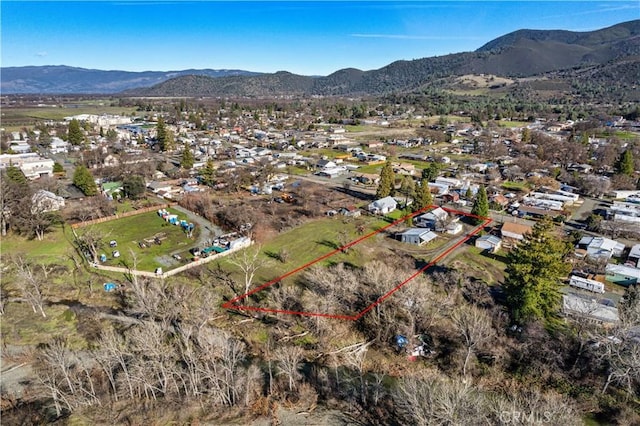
(289, 358)
(32, 282)
(66, 376)
(474, 325)
(250, 261)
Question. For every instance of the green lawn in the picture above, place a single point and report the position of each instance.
(311, 241)
(53, 249)
(128, 231)
(510, 124)
(21, 326)
(515, 186)
(374, 168)
(626, 135)
(358, 128)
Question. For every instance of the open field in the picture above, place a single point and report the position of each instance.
(515, 186)
(24, 327)
(511, 124)
(13, 118)
(129, 231)
(425, 256)
(55, 247)
(479, 264)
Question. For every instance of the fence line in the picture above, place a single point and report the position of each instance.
(121, 215)
(172, 271)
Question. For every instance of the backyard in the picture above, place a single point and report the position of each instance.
(146, 240)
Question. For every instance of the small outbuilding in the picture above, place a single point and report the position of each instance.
(417, 236)
(491, 243)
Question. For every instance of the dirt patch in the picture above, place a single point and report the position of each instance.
(317, 417)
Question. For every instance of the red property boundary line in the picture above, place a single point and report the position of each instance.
(232, 303)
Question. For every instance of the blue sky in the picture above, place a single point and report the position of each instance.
(311, 38)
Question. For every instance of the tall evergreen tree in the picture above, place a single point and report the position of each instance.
(423, 196)
(386, 186)
(208, 173)
(75, 136)
(624, 165)
(408, 189)
(535, 268)
(133, 186)
(14, 189)
(164, 136)
(187, 160)
(15, 175)
(83, 179)
(169, 141)
(480, 205)
(431, 172)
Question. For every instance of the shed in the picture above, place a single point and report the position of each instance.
(454, 228)
(417, 236)
(490, 243)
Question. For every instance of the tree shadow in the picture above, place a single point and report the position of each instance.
(329, 243)
(273, 255)
(353, 192)
(494, 256)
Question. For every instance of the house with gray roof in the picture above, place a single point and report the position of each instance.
(383, 206)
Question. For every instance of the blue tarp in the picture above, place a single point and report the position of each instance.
(401, 341)
(110, 286)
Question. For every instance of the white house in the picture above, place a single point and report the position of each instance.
(435, 219)
(58, 146)
(20, 147)
(34, 168)
(156, 186)
(383, 206)
(326, 164)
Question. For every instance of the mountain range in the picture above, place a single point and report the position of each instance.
(523, 53)
(62, 79)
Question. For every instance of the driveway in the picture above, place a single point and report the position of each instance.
(208, 230)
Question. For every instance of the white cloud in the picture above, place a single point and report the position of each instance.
(41, 54)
